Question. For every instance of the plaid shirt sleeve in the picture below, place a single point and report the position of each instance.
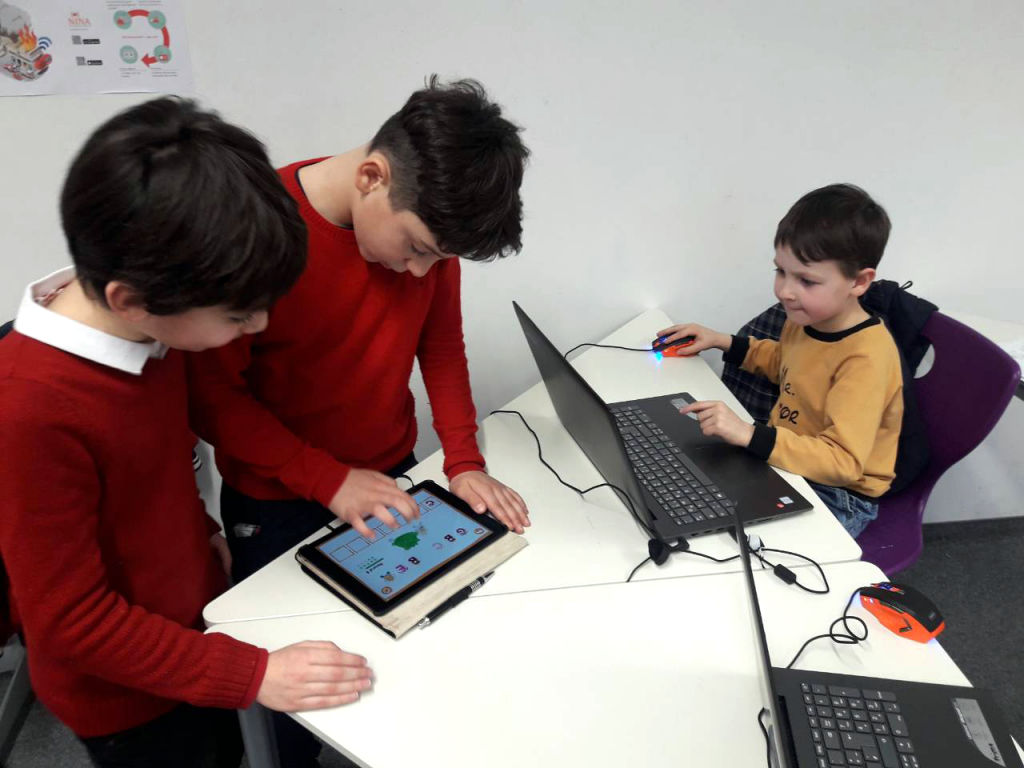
(756, 393)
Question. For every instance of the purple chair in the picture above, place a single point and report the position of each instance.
(961, 398)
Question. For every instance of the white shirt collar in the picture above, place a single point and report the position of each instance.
(38, 322)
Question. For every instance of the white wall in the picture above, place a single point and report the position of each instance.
(668, 138)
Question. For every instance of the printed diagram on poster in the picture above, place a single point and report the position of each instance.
(154, 19)
(23, 54)
(93, 46)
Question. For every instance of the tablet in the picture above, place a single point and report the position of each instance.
(384, 571)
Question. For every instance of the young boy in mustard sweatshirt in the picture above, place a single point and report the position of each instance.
(838, 416)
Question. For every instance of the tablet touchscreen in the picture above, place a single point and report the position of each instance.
(398, 559)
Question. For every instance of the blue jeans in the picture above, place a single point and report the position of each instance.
(852, 511)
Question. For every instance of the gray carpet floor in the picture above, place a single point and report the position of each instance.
(973, 571)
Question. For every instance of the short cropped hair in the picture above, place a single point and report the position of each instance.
(838, 223)
(457, 164)
(183, 207)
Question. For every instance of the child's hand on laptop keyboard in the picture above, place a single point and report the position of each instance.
(703, 338)
(719, 420)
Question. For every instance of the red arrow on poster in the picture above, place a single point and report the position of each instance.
(138, 13)
(167, 38)
(147, 60)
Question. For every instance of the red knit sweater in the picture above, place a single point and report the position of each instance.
(326, 386)
(107, 544)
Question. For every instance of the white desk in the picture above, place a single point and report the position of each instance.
(574, 542)
(590, 676)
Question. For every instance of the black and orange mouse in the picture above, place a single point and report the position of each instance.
(903, 610)
(674, 348)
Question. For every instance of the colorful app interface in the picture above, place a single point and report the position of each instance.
(398, 558)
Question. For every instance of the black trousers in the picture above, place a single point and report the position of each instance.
(186, 737)
(258, 532)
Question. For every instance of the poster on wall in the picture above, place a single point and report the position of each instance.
(93, 46)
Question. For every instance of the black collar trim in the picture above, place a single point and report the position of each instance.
(840, 335)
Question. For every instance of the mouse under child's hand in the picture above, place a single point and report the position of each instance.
(719, 420)
(366, 493)
(703, 338)
(483, 493)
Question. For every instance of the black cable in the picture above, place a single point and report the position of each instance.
(605, 346)
(581, 491)
(639, 566)
(786, 574)
(675, 549)
(850, 638)
(767, 738)
(632, 509)
(709, 557)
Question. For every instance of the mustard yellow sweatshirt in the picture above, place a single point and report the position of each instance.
(838, 416)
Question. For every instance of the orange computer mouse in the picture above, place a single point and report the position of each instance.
(903, 610)
(675, 348)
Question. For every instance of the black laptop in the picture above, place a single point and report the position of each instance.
(824, 720)
(680, 481)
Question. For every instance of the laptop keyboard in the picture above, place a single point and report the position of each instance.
(685, 493)
(854, 727)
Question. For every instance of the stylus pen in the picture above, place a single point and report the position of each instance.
(454, 600)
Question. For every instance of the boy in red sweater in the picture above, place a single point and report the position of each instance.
(312, 419)
(182, 236)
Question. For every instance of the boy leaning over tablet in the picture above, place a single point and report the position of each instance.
(313, 419)
(182, 235)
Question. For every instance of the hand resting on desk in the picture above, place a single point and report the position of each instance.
(313, 675)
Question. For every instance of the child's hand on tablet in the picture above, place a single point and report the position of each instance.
(366, 493)
(485, 494)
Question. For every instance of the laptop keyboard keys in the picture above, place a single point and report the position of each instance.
(889, 754)
(898, 725)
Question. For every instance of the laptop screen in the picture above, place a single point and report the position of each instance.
(583, 414)
(775, 724)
